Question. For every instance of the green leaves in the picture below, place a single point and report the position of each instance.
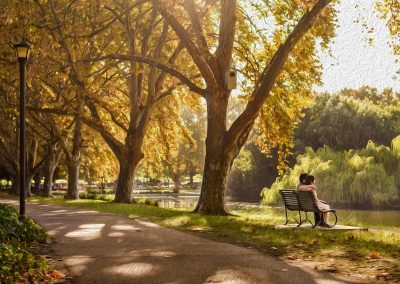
(17, 262)
(364, 178)
(14, 228)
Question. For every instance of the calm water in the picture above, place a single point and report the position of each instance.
(345, 217)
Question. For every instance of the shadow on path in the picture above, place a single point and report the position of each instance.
(107, 248)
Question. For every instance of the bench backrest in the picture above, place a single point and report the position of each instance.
(307, 200)
(290, 199)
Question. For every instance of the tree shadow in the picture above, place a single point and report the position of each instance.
(105, 248)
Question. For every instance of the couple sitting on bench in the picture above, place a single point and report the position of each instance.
(307, 182)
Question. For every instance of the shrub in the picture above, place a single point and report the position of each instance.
(17, 262)
(12, 227)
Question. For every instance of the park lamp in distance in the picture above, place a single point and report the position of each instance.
(22, 49)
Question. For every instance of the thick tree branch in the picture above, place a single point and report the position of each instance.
(195, 21)
(269, 75)
(167, 69)
(198, 57)
(227, 29)
(96, 124)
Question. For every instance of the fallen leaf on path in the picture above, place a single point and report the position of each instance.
(374, 255)
(57, 275)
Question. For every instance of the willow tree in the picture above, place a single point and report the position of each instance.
(212, 46)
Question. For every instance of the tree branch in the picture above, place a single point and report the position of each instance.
(197, 55)
(270, 73)
(227, 29)
(167, 69)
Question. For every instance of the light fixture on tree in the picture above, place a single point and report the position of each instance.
(22, 49)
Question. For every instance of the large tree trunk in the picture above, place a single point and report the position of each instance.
(74, 161)
(73, 179)
(218, 161)
(214, 186)
(126, 176)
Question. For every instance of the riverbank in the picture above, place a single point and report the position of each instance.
(370, 256)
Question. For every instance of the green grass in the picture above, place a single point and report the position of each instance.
(351, 251)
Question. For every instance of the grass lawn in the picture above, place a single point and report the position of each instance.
(372, 254)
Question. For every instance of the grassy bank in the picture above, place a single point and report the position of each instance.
(371, 255)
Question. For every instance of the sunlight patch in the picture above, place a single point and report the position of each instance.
(131, 269)
(92, 226)
(86, 231)
(225, 276)
(147, 224)
(123, 227)
(116, 234)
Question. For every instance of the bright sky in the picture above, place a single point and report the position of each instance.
(354, 62)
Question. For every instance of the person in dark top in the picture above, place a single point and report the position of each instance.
(306, 185)
(322, 205)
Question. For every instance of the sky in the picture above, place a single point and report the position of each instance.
(354, 63)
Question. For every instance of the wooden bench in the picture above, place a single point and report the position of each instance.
(304, 200)
(291, 203)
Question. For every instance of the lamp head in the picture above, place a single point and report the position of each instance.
(22, 49)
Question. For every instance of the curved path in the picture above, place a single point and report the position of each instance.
(108, 248)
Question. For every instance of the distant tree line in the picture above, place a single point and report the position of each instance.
(364, 178)
(342, 121)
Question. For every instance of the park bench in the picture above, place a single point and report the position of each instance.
(303, 201)
(291, 203)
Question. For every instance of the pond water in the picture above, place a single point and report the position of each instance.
(345, 217)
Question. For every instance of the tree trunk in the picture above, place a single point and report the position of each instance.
(218, 161)
(48, 179)
(191, 174)
(126, 177)
(51, 161)
(73, 179)
(15, 184)
(28, 184)
(37, 178)
(74, 161)
(214, 186)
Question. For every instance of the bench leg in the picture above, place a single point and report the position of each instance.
(287, 220)
(300, 222)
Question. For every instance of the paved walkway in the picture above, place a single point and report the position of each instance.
(107, 248)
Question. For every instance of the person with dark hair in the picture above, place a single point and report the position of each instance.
(302, 179)
(304, 185)
(322, 205)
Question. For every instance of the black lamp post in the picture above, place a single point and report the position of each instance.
(22, 52)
